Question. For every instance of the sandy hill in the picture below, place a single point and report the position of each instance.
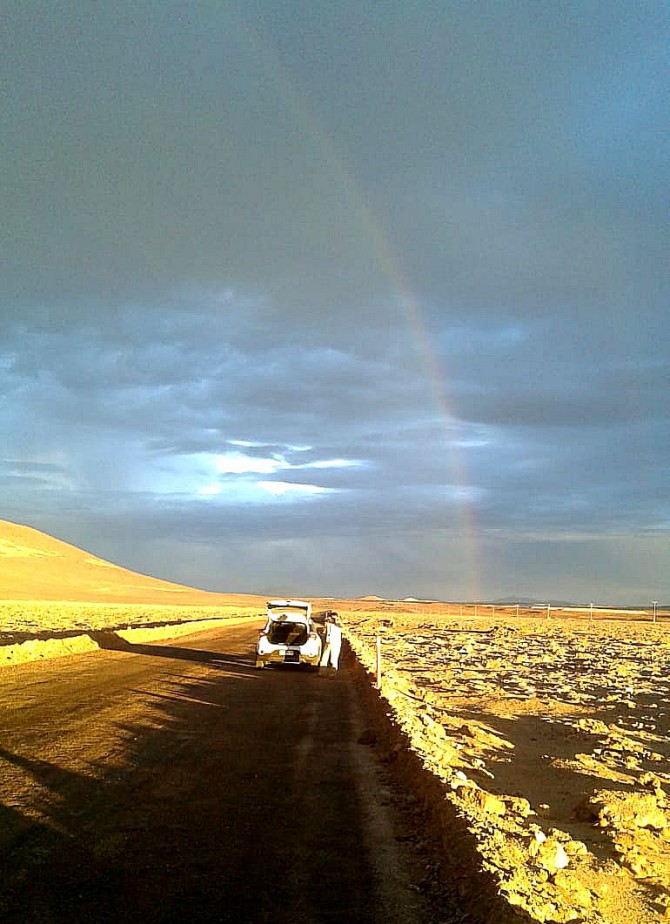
(35, 566)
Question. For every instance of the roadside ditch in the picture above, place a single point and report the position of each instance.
(457, 861)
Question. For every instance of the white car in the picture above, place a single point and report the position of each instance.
(289, 636)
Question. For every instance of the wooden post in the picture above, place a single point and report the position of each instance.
(379, 663)
(548, 609)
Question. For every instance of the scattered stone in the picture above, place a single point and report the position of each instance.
(650, 781)
(519, 805)
(575, 890)
(486, 801)
(638, 865)
(551, 856)
(495, 694)
(576, 848)
(651, 817)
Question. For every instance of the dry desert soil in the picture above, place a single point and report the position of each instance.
(509, 768)
(548, 745)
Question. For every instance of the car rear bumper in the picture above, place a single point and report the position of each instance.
(279, 657)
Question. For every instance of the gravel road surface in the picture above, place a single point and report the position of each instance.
(175, 782)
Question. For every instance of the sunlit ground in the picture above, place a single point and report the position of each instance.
(552, 739)
(43, 618)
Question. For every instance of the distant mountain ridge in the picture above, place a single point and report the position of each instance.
(36, 566)
(528, 601)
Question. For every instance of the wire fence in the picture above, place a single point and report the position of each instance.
(653, 613)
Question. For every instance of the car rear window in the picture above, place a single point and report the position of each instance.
(287, 633)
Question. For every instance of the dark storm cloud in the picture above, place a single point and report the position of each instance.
(517, 147)
(154, 149)
(493, 144)
(209, 365)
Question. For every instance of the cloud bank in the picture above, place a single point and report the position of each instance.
(340, 299)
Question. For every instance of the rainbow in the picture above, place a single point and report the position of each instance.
(389, 263)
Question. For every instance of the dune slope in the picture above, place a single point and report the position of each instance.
(35, 566)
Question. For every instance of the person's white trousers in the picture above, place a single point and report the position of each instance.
(331, 654)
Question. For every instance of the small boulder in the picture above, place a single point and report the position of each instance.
(651, 816)
(551, 856)
(575, 891)
(483, 800)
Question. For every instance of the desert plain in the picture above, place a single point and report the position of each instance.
(545, 736)
(551, 739)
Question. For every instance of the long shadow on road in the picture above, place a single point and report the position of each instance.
(111, 641)
(248, 812)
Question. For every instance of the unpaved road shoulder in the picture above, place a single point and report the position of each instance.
(175, 782)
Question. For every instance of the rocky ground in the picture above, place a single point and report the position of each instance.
(551, 741)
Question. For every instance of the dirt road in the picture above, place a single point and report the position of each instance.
(175, 782)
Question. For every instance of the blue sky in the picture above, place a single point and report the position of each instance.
(340, 298)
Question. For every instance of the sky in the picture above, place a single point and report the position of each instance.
(340, 298)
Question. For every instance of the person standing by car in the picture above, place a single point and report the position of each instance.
(331, 651)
